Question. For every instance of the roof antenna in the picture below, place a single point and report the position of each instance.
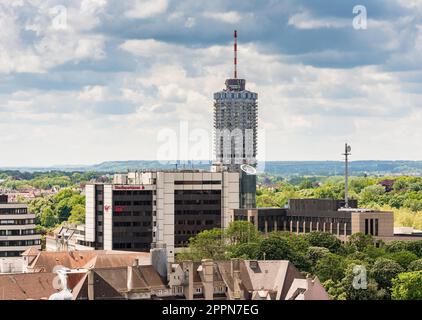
(346, 153)
(235, 54)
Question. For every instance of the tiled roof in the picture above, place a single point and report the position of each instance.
(31, 251)
(27, 286)
(46, 261)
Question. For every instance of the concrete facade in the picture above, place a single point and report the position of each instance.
(177, 205)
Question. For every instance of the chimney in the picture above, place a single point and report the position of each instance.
(188, 271)
(158, 259)
(208, 278)
(235, 271)
(130, 278)
(91, 285)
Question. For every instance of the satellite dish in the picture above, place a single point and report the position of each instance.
(349, 148)
(248, 169)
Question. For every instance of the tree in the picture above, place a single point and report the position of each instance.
(415, 247)
(77, 215)
(395, 246)
(384, 270)
(274, 248)
(415, 265)
(351, 292)
(404, 258)
(360, 241)
(48, 218)
(323, 239)
(208, 244)
(331, 266)
(407, 286)
(242, 232)
(317, 253)
(371, 193)
(245, 251)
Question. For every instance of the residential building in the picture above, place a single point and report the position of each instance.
(235, 130)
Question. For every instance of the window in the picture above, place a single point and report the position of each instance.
(366, 227)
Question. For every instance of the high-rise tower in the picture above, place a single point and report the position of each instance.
(235, 125)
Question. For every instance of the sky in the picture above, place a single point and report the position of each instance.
(87, 81)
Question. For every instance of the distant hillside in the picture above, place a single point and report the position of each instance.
(282, 168)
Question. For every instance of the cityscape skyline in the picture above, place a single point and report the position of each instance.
(71, 91)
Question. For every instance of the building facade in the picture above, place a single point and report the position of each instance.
(235, 132)
(327, 215)
(17, 233)
(140, 210)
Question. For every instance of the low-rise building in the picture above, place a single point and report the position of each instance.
(327, 215)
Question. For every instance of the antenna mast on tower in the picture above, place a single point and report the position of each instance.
(235, 54)
(347, 150)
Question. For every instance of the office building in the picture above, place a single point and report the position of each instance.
(17, 233)
(307, 215)
(140, 210)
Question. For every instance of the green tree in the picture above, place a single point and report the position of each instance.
(384, 270)
(242, 232)
(323, 239)
(415, 247)
(331, 266)
(372, 292)
(360, 241)
(77, 215)
(48, 218)
(415, 265)
(208, 244)
(403, 258)
(407, 286)
(245, 251)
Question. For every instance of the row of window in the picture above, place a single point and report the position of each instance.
(196, 192)
(199, 182)
(130, 245)
(132, 213)
(118, 235)
(131, 224)
(134, 203)
(17, 232)
(197, 202)
(133, 192)
(17, 222)
(14, 211)
(19, 243)
(197, 222)
(197, 212)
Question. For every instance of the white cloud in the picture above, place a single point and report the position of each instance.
(147, 8)
(232, 17)
(304, 20)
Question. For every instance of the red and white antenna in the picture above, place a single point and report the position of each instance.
(235, 54)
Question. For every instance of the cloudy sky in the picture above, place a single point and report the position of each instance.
(86, 81)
